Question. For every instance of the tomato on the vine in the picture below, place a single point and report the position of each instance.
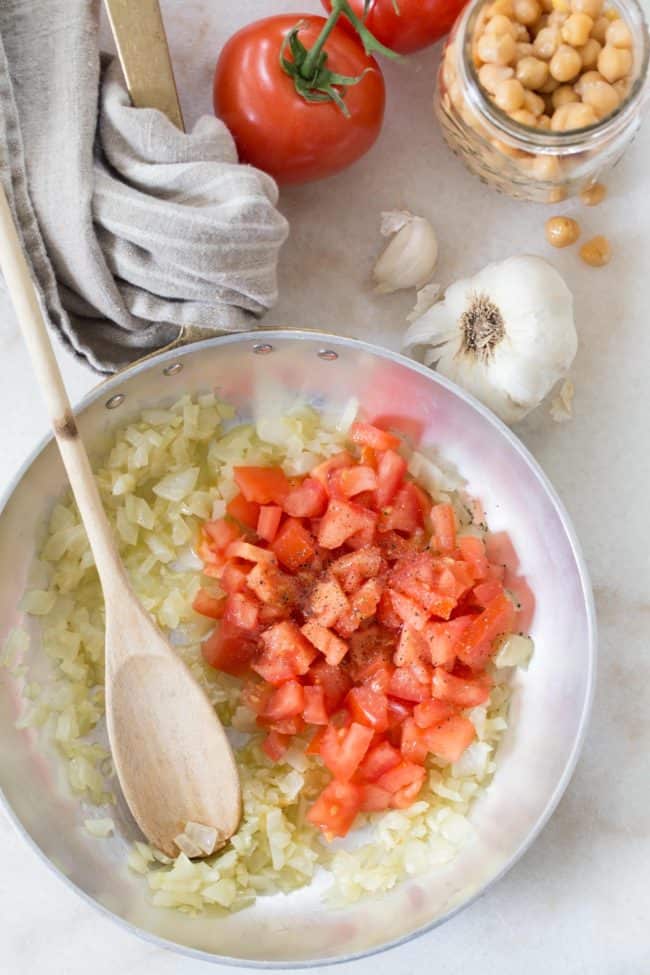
(293, 137)
(405, 25)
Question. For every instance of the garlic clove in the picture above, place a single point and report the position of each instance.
(410, 258)
(425, 298)
(506, 335)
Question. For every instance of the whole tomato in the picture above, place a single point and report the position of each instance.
(274, 127)
(405, 25)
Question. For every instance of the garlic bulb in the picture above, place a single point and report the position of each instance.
(507, 335)
(410, 258)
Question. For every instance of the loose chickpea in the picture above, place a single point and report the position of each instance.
(602, 97)
(532, 72)
(596, 252)
(572, 116)
(524, 51)
(491, 75)
(592, 8)
(509, 95)
(561, 231)
(547, 42)
(592, 195)
(500, 25)
(614, 63)
(497, 50)
(576, 29)
(524, 117)
(589, 53)
(526, 11)
(564, 95)
(600, 28)
(544, 122)
(565, 63)
(534, 103)
(618, 34)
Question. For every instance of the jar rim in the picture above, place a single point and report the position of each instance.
(542, 140)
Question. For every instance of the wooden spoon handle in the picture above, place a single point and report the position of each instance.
(75, 459)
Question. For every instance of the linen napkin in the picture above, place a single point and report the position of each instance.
(138, 235)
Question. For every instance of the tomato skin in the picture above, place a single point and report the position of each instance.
(336, 808)
(390, 473)
(368, 707)
(314, 711)
(334, 681)
(307, 500)
(293, 545)
(379, 759)
(342, 749)
(285, 702)
(229, 649)
(243, 511)
(449, 739)
(241, 611)
(262, 485)
(208, 605)
(268, 521)
(415, 24)
(274, 128)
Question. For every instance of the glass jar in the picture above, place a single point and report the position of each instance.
(524, 162)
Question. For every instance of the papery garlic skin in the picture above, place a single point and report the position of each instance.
(410, 258)
(511, 359)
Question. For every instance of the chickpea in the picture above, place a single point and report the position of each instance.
(509, 95)
(539, 25)
(592, 195)
(587, 79)
(596, 252)
(592, 8)
(565, 63)
(547, 168)
(575, 115)
(526, 11)
(557, 18)
(534, 103)
(549, 87)
(564, 95)
(589, 53)
(500, 25)
(561, 231)
(547, 42)
(611, 14)
(532, 73)
(561, 6)
(599, 30)
(524, 51)
(544, 122)
(576, 29)
(614, 63)
(602, 97)
(557, 195)
(497, 50)
(618, 34)
(501, 7)
(546, 5)
(622, 88)
(491, 75)
(523, 117)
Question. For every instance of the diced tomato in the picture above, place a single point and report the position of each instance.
(313, 748)
(379, 678)
(368, 456)
(411, 647)
(365, 536)
(496, 571)
(286, 726)
(456, 690)
(327, 602)
(307, 500)
(336, 808)
(374, 799)
(472, 550)
(394, 546)
(294, 545)
(349, 481)
(485, 592)
(271, 585)
(431, 712)
(220, 533)
(323, 471)
(398, 712)
(379, 759)
(207, 604)
(390, 474)
(275, 745)
(408, 610)
(255, 695)
(365, 434)
(286, 653)
(234, 576)
(334, 681)
(403, 514)
(404, 774)
(424, 501)
(243, 511)
(331, 646)
(363, 604)
(342, 749)
(386, 613)
(475, 645)
(370, 649)
(314, 711)
(285, 702)
(412, 743)
(453, 578)
(249, 553)
(341, 521)
(208, 554)
(449, 739)
(444, 527)
(441, 640)
(268, 521)
(353, 568)
(241, 611)
(405, 685)
(229, 649)
(264, 485)
(368, 707)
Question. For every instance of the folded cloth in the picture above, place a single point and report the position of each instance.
(139, 235)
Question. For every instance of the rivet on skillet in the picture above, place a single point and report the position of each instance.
(172, 369)
(115, 401)
(262, 349)
(329, 355)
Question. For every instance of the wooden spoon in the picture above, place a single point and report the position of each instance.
(170, 751)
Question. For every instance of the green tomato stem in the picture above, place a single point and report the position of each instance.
(311, 61)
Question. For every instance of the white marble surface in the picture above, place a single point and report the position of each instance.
(578, 902)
